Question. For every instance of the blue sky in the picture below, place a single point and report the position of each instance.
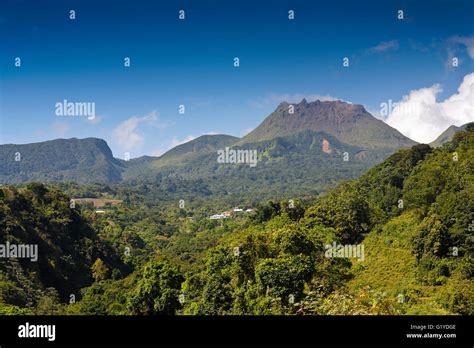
(190, 62)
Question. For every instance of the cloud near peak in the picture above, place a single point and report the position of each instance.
(127, 134)
(421, 117)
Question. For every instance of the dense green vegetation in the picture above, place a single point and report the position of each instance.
(294, 165)
(413, 213)
(76, 160)
(67, 247)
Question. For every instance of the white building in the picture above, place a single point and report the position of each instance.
(218, 217)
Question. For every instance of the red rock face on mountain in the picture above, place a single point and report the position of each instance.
(350, 123)
(326, 146)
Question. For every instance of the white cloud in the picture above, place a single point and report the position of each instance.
(467, 41)
(60, 129)
(384, 46)
(420, 117)
(275, 99)
(127, 134)
(94, 120)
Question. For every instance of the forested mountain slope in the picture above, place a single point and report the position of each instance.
(59, 160)
(350, 123)
(410, 220)
(67, 247)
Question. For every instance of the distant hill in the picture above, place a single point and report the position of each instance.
(350, 123)
(305, 152)
(147, 166)
(303, 163)
(204, 143)
(78, 160)
(447, 135)
(291, 155)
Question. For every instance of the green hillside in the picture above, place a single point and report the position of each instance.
(67, 248)
(411, 265)
(78, 160)
(204, 143)
(405, 228)
(286, 166)
(150, 167)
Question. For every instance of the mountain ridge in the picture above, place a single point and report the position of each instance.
(60, 160)
(447, 135)
(350, 123)
(309, 145)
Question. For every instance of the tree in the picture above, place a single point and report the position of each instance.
(346, 209)
(282, 277)
(99, 270)
(157, 290)
(267, 211)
